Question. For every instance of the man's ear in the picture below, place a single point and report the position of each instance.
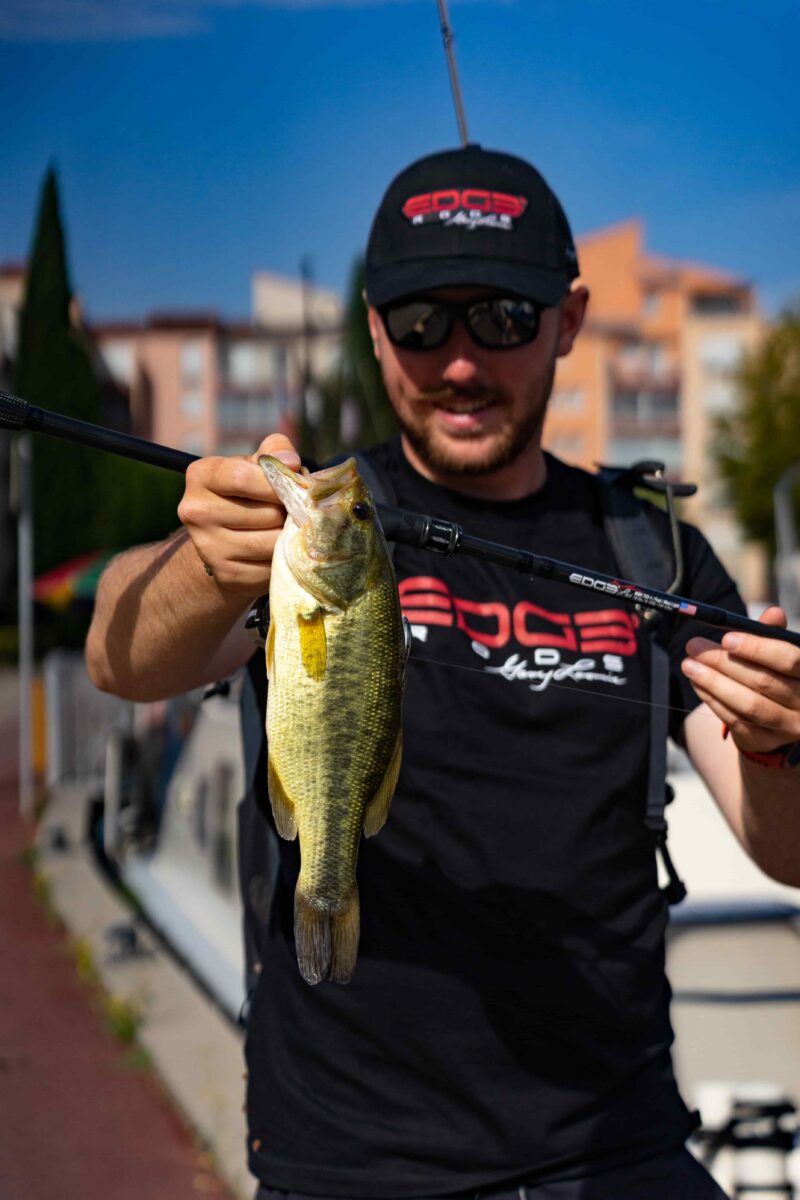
(374, 331)
(573, 311)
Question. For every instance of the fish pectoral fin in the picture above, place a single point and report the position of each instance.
(313, 643)
(271, 651)
(282, 807)
(378, 808)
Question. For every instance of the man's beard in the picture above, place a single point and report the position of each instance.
(443, 457)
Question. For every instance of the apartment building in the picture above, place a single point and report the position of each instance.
(654, 365)
(207, 385)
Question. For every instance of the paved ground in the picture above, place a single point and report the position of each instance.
(78, 1120)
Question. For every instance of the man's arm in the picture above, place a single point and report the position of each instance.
(162, 624)
(751, 684)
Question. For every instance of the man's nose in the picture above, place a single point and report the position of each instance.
(461, 357)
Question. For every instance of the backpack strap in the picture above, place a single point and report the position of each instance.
(642, 556)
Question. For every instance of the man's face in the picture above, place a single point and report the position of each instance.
(466, 410)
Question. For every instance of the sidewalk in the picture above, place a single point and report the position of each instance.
(78, 1121)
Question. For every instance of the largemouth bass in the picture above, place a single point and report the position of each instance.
(335, 664)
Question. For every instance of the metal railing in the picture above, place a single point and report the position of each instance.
(79, 720)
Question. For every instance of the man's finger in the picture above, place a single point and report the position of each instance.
(241, 478)
(742, 705)
(779, 686)
(279, 446)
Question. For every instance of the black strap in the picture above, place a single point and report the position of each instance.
(643, 557)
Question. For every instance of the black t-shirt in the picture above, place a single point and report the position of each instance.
(508, 1017)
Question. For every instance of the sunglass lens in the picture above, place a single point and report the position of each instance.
(504, 321)
(417, 325)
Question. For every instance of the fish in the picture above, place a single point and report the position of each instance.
(336, 655)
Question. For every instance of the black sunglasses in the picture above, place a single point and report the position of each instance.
(496, 323)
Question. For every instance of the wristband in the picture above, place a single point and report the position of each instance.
(782, 758)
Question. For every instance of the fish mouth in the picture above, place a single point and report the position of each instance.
(298, 490)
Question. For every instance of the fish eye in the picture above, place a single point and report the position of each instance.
(361, 511)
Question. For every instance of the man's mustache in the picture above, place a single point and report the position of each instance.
(451, 395)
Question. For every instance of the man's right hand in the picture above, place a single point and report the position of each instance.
(234, 518)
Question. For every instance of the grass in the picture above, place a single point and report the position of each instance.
(124, 1018)
(83, 957)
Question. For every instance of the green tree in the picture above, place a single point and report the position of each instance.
(53, 369)
(759, 441)
(362, 381)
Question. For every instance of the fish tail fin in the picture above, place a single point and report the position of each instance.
(326, 937)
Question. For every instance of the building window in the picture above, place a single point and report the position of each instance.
(642, 407)
(193, 444)
(567, 400)
(242, 365)
(651, 303)
(192, 361)
(192, 402)
(722, 353)
(118, 357)
(567, 445)
(630, 357)
(256, 412)
(710, 303)
(720, 396)
(627, 450)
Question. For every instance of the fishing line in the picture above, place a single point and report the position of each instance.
(566, 687)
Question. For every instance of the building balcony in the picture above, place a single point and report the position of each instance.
(654, 427)
(644, 376)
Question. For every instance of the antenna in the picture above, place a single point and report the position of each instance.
(448, 39)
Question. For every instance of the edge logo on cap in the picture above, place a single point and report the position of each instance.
(468, 207)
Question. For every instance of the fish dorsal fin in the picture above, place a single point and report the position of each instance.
(313, 643)
(282, 807)
(378, 808)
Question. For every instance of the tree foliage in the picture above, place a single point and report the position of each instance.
(758, 442)
(363, 382)
(53, 369)
(354, 409)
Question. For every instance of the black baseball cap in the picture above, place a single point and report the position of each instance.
(470, 216)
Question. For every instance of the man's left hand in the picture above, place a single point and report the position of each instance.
(751, 683)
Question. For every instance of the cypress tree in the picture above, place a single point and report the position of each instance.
(54, 370)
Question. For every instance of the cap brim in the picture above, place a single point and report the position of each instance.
(390, 282)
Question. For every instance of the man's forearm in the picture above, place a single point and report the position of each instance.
(159, 620)
(771, 819)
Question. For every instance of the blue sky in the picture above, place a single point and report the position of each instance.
(198, 140)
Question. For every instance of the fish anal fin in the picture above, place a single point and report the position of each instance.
(378, 808)
(326, 937)
(282, 807)
(313, 643)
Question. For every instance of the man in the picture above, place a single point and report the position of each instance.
(507, 1029)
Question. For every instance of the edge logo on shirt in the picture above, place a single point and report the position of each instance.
(471, 207)
(545, 646)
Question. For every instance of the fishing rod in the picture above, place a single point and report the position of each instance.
(419, 530)
(448, 40)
